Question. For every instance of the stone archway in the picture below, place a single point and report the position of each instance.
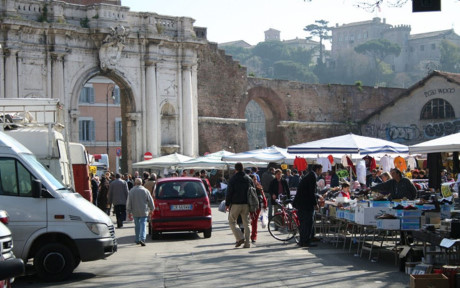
(274, 111)
(128, 109)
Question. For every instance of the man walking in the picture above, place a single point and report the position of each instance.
(305, 201)
(118, 194)
(139, 204)
(237, 204)
(267, 178)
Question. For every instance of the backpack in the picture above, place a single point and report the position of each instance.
(253, 200)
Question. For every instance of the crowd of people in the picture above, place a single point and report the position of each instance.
(134, 195)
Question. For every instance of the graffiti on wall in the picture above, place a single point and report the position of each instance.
(403, 134)
(433, 130)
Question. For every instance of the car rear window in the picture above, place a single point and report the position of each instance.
(179, 190)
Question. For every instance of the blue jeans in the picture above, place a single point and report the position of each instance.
(139, 228)
(306, 219)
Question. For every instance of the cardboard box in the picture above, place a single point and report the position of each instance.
(332, 211)
(428, 281)
(366, 215)
(381, 204)
(408, 213)
(389, 224)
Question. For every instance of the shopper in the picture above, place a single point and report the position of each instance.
(399, 187)
(306, 202)
(139, 204)
(237, 204)
(118, 194)
(262, 205)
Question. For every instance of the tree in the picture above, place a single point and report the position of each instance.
(378, 50)
(450, 57)
(321, 30)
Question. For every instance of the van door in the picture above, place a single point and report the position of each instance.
(27, 214)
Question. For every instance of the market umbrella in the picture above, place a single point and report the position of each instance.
(270, 154)
(449, 143)
(348, 144)
(214, 161)
(162, 162)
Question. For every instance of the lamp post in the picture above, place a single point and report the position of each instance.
(110, 88)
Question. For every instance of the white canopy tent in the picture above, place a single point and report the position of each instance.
(162, 162)
(349, 144)
(214, 161)
(449, 143)
(270, 154)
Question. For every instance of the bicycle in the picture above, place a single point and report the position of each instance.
(284, 225)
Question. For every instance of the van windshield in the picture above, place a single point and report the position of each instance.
(45, 174)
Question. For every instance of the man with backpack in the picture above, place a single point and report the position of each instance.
(237, 205)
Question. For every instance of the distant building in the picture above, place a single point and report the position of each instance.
(419, 52)
(272, 35)
(91, 2)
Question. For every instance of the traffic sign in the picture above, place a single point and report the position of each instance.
(118, 151)
(148, 156)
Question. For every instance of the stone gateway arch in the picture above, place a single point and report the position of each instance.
(51, 49)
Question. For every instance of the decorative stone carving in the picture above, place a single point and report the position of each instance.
(112, 46)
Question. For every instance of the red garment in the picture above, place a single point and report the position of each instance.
(350, 163)
(331, 159)
(344, 194)
(370, 162)
(300, 164)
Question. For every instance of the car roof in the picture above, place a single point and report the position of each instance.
(176, 179)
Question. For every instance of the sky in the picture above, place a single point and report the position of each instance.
(231, 20)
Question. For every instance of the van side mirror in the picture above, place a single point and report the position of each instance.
(36, 188)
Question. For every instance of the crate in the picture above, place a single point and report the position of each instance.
(366, 215)
(408, 213)
(340, 213)
(389, 224)
(429, 280)
(381, 204)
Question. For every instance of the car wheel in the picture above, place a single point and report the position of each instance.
(54, 262)
(207, 233)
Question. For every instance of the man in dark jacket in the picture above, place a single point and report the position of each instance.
(237, 204)
(306, 202)
(399, 187)
(278, 186)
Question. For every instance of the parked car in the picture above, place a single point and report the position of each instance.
(181, 204)
(10, 267)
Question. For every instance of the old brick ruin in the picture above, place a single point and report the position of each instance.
(295, 112)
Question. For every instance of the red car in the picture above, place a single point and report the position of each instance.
(181, 204)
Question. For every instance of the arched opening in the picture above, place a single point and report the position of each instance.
(437, 109)
(264, 103)
(255, 126)
(101, 123)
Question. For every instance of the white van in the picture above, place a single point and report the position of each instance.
(52, 225)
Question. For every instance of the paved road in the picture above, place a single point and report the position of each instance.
(189, 260)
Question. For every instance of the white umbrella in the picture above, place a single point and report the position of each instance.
(214, 161)
(162, 162)
(348, 144)
(449, 143)
(270, 154)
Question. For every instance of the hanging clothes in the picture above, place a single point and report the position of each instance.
(325, 163)
(345, 161)
(361, 172)
(386, 163)
(411, 163)
(350, 164)
(400, 163)
(331, 159)
(300, 164)
(370, 163)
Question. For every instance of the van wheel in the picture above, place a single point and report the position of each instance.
(207, 233)
(54, 262)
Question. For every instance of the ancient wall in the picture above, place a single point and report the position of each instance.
(295, 112)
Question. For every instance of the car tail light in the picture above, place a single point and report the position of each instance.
(207, 209)
(4, 217)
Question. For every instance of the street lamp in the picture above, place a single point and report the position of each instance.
(110, 88)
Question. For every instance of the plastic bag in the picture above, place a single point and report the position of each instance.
(264, 218)
(222, 207)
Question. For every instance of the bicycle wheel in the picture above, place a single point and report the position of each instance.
(281, 228)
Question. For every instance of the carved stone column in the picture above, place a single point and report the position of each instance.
(2, 74)
(58, 76)
(11, 78)
(134, 142)
(187, 111)
(151, 110)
